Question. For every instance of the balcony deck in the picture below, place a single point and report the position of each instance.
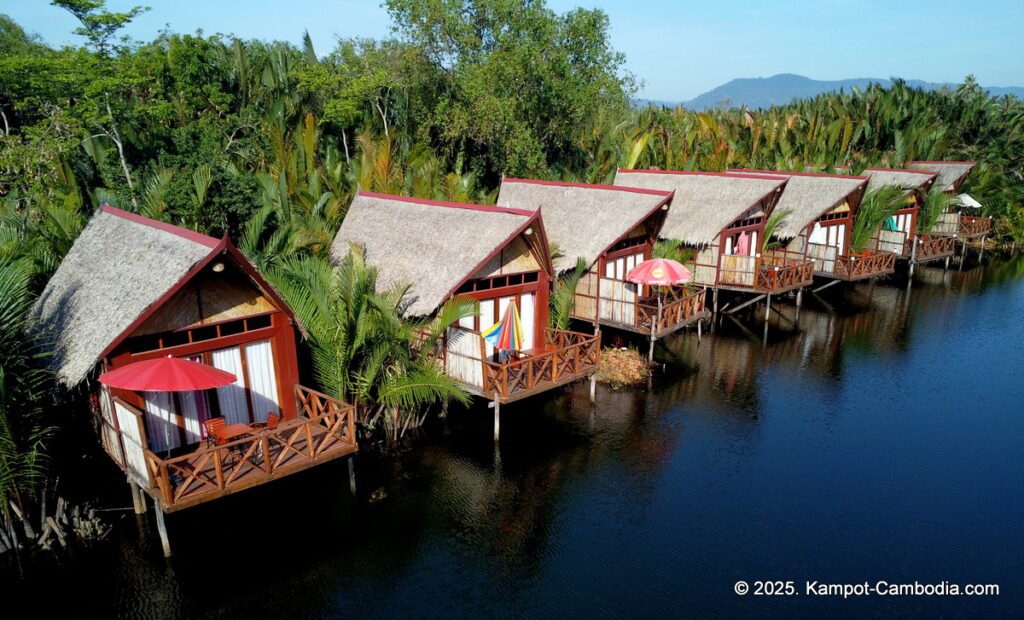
(930, 248)
(867, 264)
(680, 306)
(324, 430)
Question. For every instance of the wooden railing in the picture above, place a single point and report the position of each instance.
(568, 356)
(867, 264)
(975, 225)
(323, 430)
(780, 271)
(930, 247)
(680, 306)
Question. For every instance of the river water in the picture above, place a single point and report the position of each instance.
(877, 437)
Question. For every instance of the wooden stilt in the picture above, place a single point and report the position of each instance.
(161, 528)
(497, 419)
(946, 266)
(593, 388)
(714, 296)
(352, 474)
(138, 501)
(767, 307)
(982, 252)
(700, 322)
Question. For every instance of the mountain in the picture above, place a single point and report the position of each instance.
(783, 88)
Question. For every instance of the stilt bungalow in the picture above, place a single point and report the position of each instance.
(490, 254)
(905, 240)
(820, 210)
(722, 217)
(612, 229)
(134, 289)
(963, 219)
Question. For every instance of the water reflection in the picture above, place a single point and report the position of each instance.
(742, 461)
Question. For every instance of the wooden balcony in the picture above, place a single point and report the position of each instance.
(930, 247)
(972, 226)
(324, 430)
(961, 225)
(779, 271)
(866, 264)
(681, 306)
(567, 357)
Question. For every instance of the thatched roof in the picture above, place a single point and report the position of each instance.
(910, 180)
(583, 220)
(119, 267)
(705, 202)
(808, 195)
(432, 246)
(951, 173)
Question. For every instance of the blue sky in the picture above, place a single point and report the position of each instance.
(678, 49)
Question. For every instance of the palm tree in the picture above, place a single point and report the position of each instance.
(22, 386)
(363, 349)
(936, 203)
(563, 295)
(876, 207)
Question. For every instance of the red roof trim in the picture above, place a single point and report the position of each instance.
(452, 205)
(649, 215)
(548, 268)
(613, 188)
(224, 246)
(800, 174)
(702, 173)
(191, 235)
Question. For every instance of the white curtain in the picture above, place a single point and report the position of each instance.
(231, 398)
(486, 320)
(259, 358)
(160, 427)
(194, 410)
(819, 234)
(526, 314)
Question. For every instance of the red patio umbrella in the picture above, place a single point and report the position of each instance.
(659, 272)
(167, 374)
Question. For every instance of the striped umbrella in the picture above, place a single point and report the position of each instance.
(506, 334)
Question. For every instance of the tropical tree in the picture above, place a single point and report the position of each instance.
(23, 384)
(563, 294)
(877, 206)
(363, 349)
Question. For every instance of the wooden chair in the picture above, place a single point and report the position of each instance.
(213, 427)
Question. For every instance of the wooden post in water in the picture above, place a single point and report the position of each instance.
(768, 307)
(593, 387)
(497, 418)
(161, 528)
(700, 322)
(138, 501)
(352, 474)
(982, 253)
(913, 254)
(799, 301)
(654, 330)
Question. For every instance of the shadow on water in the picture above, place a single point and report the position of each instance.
(877, 436)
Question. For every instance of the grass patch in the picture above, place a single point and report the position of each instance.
(622, 367)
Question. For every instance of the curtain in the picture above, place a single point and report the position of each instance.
(161, 430)
(526, 316)
(195, 410)
(259, 359)
(231, 398)
(486, 320)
